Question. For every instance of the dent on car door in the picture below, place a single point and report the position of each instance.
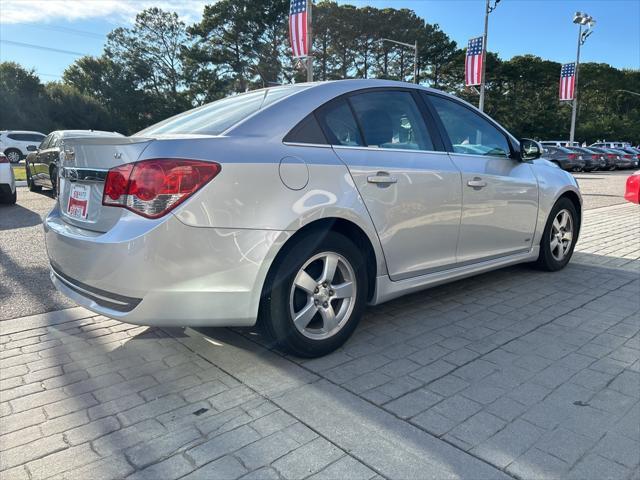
(499, 193)
(412, 191)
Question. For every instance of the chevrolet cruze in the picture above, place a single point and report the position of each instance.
(296, 206)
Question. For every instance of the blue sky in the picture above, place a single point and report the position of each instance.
(541, 27)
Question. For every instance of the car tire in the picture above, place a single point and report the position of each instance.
(53, 175)
(13, 155)
(556, 248)
(327, 308)
(32, 186)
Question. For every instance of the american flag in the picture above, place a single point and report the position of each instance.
(298, 28)
(567, 81)
(473, 64)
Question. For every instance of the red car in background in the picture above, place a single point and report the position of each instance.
(632, 193)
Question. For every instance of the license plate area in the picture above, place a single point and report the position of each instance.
(78, 203)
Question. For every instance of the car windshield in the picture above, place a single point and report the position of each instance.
(216, 117)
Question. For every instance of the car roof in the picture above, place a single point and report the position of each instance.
(23, 131)
(287, 112)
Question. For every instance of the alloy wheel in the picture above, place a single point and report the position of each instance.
(323, 295)
(561, 235)
(13, 156)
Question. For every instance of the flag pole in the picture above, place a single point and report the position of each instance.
(484, 55)
(309, 40)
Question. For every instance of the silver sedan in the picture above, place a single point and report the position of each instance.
(296, 206)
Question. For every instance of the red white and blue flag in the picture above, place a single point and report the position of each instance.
(567, 81)
(298, 28)
(473, 64)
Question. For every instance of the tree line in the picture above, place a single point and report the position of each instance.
(160, 66)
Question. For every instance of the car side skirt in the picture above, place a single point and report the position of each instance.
(386, 289)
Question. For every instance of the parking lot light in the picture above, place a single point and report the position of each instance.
(581, 19)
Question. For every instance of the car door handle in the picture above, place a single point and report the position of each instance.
(477, 183)
(382, 178)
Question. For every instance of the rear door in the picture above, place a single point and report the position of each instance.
(410, 187)
(499, 193)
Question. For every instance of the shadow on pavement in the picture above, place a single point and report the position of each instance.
(16, 216)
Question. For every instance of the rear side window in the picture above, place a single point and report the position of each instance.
(307, 131)
(391, 119)
(214, 118)
(339, 125)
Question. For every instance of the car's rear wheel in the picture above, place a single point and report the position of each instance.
(559, 236)
(13, 155)
(316, 295)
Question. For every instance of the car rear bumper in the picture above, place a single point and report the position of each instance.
(161, 273)
(7, 179)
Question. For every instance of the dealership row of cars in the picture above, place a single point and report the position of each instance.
(572, 157)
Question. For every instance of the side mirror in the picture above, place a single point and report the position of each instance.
(31, 148)
(529, 149)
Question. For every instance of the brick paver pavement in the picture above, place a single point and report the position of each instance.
(515, 373)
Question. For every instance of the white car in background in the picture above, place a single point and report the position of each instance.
(611, 144)
(15, 144)
(7, 181)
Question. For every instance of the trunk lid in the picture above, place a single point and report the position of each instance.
(84, 163)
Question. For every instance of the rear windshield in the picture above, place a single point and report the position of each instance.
(216, 117)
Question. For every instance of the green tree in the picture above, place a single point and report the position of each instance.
(22, 99)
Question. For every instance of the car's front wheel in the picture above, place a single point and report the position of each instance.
(316, 295)
(559, 236)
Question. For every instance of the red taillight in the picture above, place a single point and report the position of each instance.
(3, 159)
(595, 157)
(611, 156)
(572, 156)
(628, 157)
(152, 188)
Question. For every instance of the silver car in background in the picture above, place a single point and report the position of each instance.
(296, 206)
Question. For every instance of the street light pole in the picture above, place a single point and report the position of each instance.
(484, 55)
(309, 40)
(415, 62)
(581, 19)
(415, 54)
(574, 108)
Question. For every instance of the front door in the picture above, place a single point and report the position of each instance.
(411, 191)
(499, 193)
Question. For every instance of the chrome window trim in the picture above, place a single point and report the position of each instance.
(475, 155)
(378, 149)
(315, 145)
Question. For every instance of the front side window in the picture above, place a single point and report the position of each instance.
(391, 119)
(339, 125)
(469, 132)
(214, 118)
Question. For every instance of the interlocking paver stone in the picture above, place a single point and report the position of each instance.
(537, 375)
